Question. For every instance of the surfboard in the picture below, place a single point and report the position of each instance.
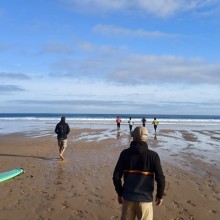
(10, 174)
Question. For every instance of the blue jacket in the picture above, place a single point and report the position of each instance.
(138, 166)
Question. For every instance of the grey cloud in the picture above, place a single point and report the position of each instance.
(94, 5)
(165, 69)
(93, 64)
(10, 89)
(128, 106)
(65, 68)
(117, 67)
(71, 102)
(94, 67)
(19, 76)
(110, 102)
(104, 49)
(166, 107)
(159, 8)
(56, 48)
(193, 103)
(113, 30)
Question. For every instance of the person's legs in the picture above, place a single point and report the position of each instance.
(62, 146)
(61, 151)
(128, 212)
(118, 126)
(144, 210)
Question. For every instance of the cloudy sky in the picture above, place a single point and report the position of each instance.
(110, 56)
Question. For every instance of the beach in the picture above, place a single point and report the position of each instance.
(80, 187)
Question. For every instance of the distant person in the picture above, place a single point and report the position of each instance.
(130, 122)
(143, 121)
(62, 130)
(118, 121)
(138, 166)
(155, 123)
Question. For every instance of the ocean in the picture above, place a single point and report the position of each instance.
(22, 122)
(104, 117)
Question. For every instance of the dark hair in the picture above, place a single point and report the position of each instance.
(63, 118)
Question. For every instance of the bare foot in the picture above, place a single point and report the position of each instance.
(61, 157)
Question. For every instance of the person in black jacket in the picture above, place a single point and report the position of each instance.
(138, 166)
(143, 121)
(62, 130)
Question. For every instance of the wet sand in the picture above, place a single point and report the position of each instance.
(80, 187)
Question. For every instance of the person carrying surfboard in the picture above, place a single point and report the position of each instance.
(62, 130)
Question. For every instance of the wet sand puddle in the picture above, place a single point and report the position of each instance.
(200, 145)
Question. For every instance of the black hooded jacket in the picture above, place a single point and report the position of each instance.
(62, 130)
(138, 166)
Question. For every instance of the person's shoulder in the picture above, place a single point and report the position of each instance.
(153, 153)
(125, 151)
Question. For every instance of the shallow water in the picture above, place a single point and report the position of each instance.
(172, 142)
(204, 146)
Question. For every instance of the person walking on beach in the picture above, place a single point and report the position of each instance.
(155, 123)
(130, 122)
(62, 130)
(143, 121)
(118, 121)
(138, 166)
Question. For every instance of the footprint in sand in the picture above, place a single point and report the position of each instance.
(168, 186)
(64, 205)
(78, 212)
(190, 202)
(175, 204)
(212, 211)
(182, 211)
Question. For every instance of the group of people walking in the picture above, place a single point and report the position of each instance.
(62, 129)
(137, 166)
(131, 123)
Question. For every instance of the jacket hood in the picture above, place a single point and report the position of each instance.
(63, 119)
(138, 146)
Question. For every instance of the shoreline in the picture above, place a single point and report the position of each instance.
(81, 186)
